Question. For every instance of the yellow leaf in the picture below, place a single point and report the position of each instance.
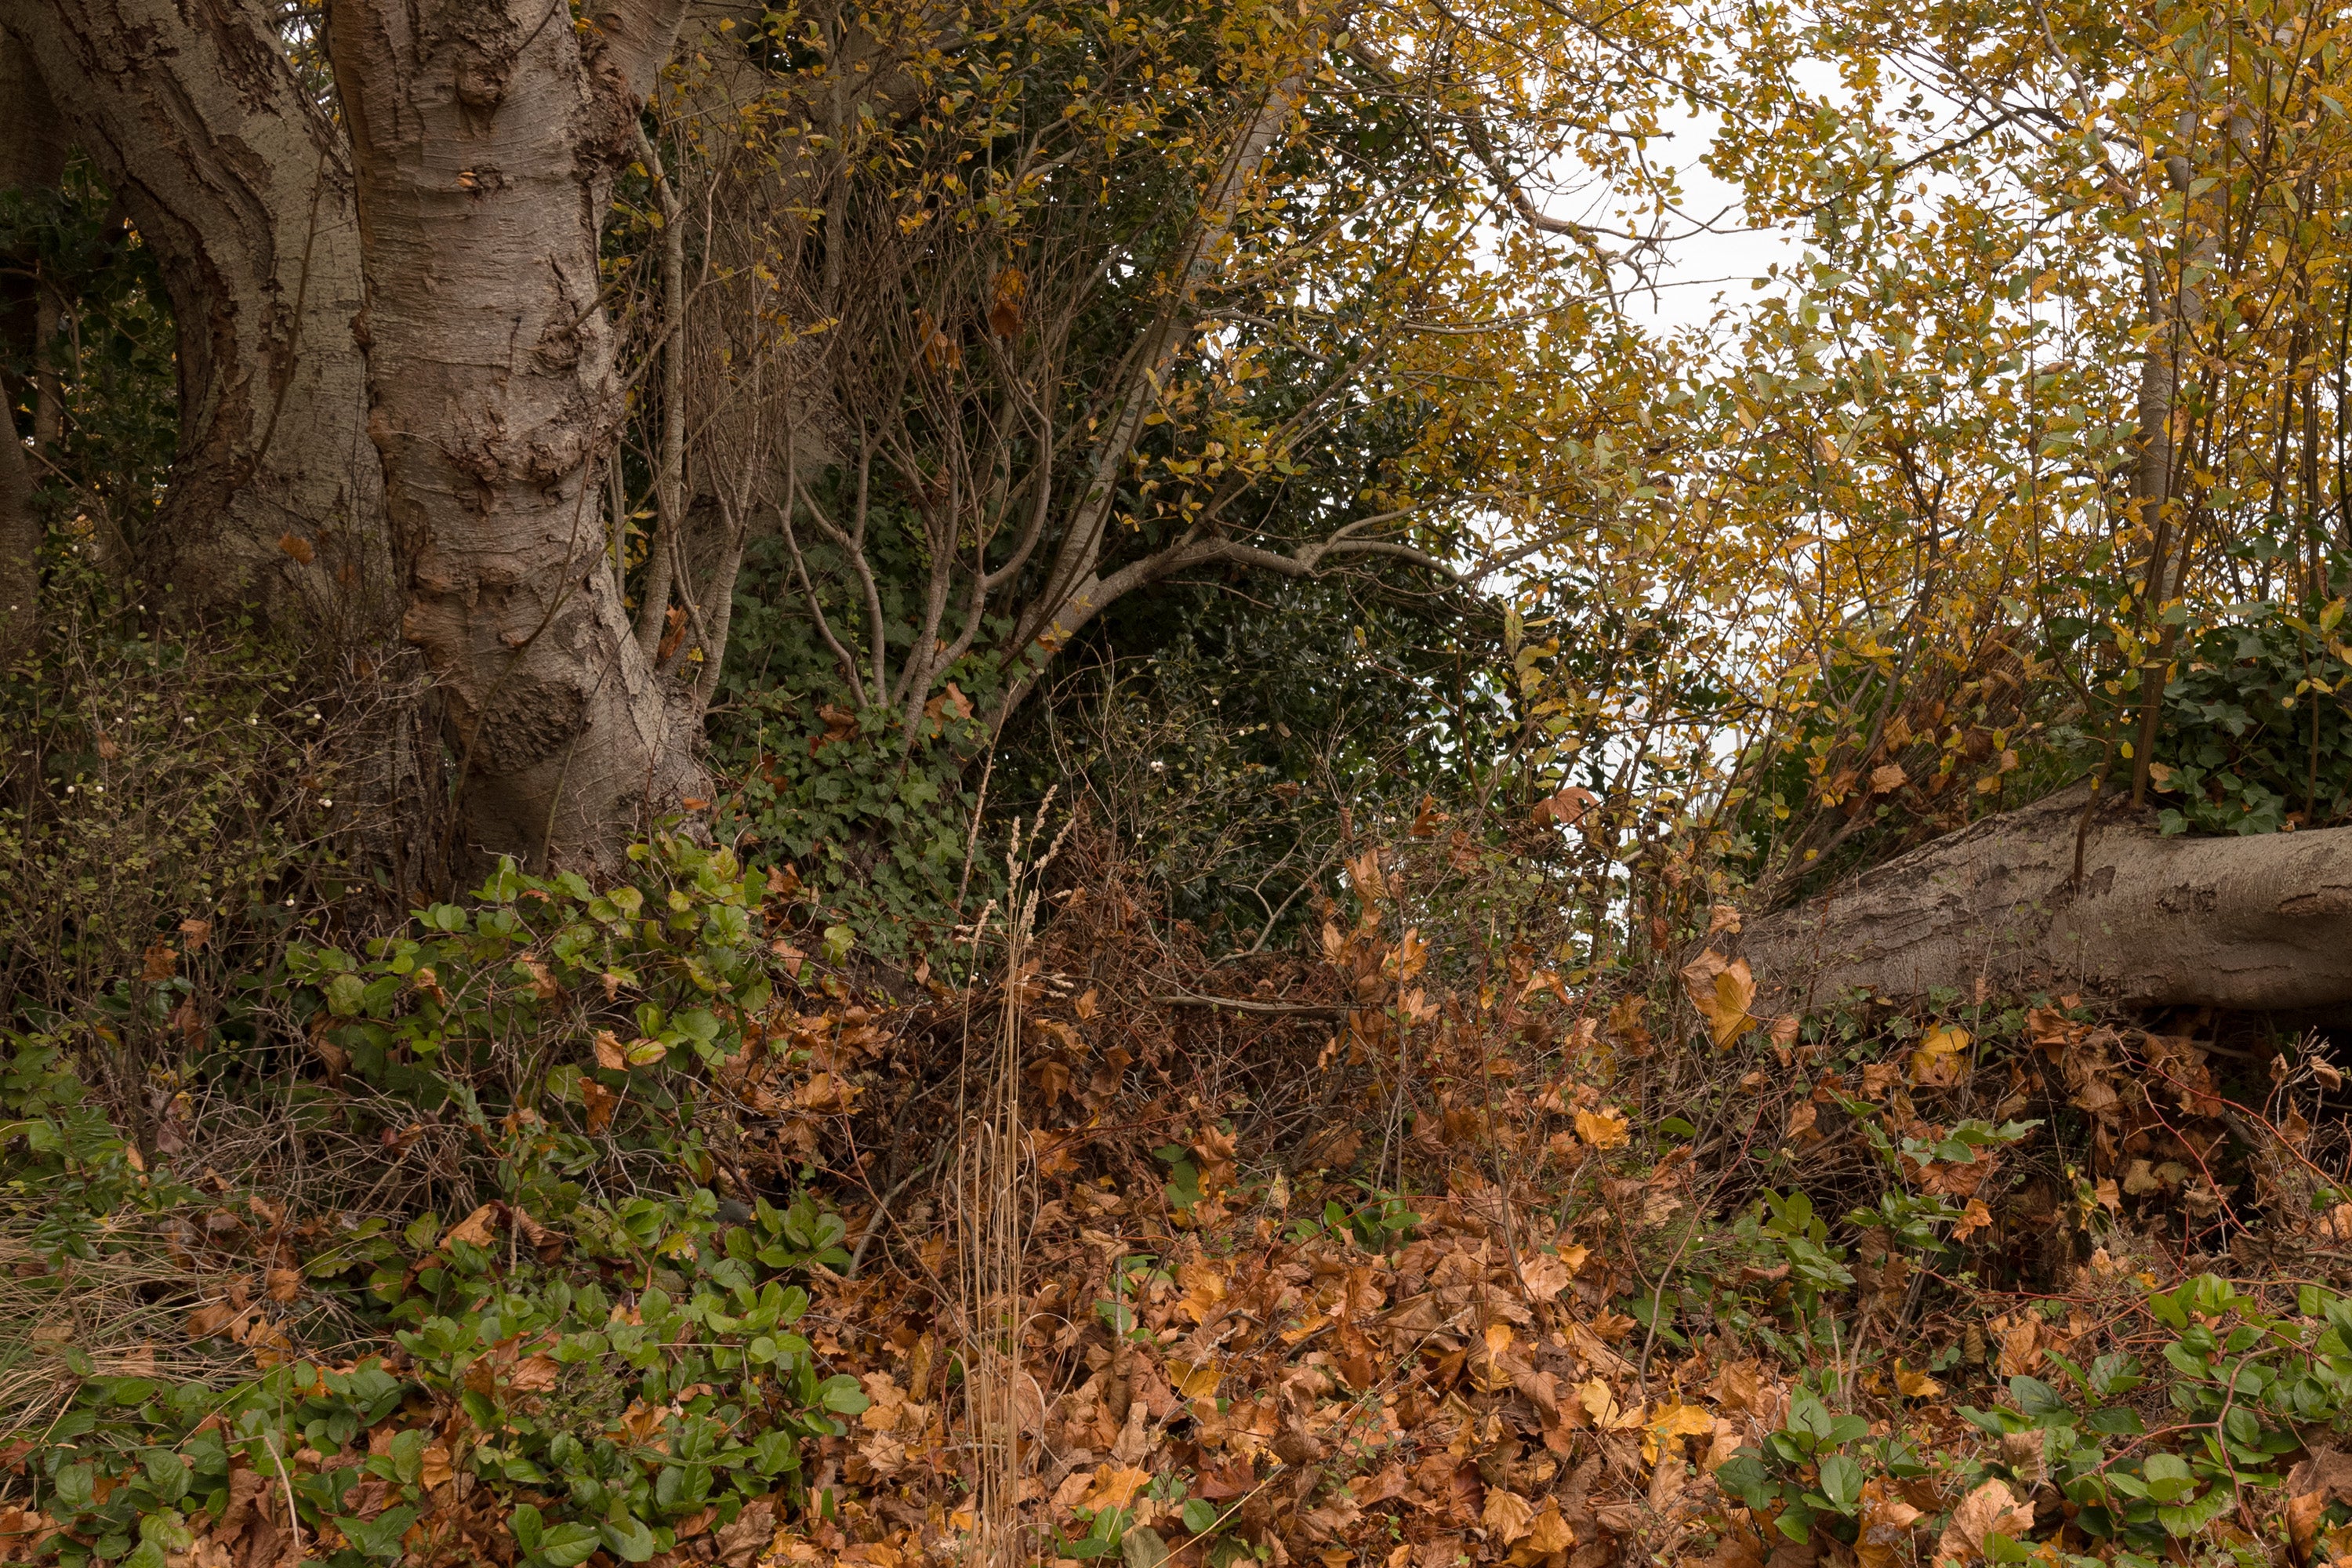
(1194, 1380)
(1114, 1487)
(1913, 1385)
(1601, 1129)
(1548, 1532)
(1936, 1063)
(1672, 1422)
(1204, 1289)
(1599, 1402)
(1722, 993)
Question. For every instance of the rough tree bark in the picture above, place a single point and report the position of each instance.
(485, 136)
(237, 180)
(2260, 923)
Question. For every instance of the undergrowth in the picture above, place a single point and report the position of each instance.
(567, 1224)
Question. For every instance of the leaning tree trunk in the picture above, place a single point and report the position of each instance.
(2260, 923)
(236, 181)
(485, 140)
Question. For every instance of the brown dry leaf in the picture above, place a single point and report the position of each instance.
(1601, 1129)
(1740, 1386)
(437, 1471)
(601, 1103)
(1887, 779)
(1507, 1515)
(1544, 1275)
(534, 1374)
(1975, 1218)
(1886, 1524)
(285, 1284)
(475, 1227)
(209, 1320)
(1988, 1508)
(1204, 1289)
(295, 545)
(1723, 917)
(609, 1054)
(195, 931)
(1801, 1122)
(162, 961)
(2021, 1347)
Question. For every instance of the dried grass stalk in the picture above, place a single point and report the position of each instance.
(991, 1161)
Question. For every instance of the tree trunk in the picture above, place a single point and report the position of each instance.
(485, 141)
(2260, 925)
(237, 180)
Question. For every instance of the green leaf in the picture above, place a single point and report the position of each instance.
(569, 1545)
(842, 1395)
(380, 1536)
(630, 1540)
(1841, 1482)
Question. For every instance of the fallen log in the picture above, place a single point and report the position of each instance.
(2260, 923)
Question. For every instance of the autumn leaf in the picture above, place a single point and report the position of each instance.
(1886, 1522)
(1544, 1276)
(436, 1471)
(1204, 1289)
(298, 547)
(1114, 1487)
(2021, 1347)
(1938, 1063)
(1601, 1129)
(1722, 993)
(1600, 1403)
(1912, 1384)
(1193, 1379)
(475, 1227)
(1886, 780)
(285, 1284)
(1507, 1515)
(1989, 1509)
(601, 1103)
(1975, 1219)
(534, 1374)
(1549, 1534)
(610, 1054)
(1670, 1423)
